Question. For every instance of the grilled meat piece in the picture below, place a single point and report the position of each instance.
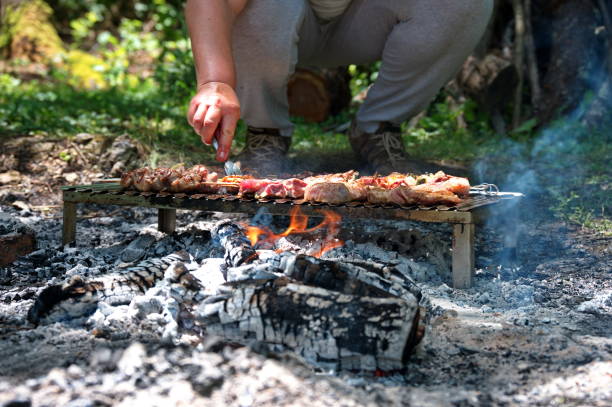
(392, 180)
(335, 192)
(340, 177)
(423, 195)
(176, 179)
(412, 195)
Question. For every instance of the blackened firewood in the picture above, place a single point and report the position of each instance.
(79, 297)
(343, 315)
(238, 249)
(332, 329)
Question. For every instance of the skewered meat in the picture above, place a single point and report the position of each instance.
(412, 195)
(289, 188)
(392, 180)
(335, 192)
(176, 179)
(396, 188)
(340, 177)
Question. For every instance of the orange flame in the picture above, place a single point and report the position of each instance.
(299, 225)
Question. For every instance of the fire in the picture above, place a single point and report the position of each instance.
(299, 225)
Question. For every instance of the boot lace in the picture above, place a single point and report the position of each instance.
(387, 146)
(264, 146)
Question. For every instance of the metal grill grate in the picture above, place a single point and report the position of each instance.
(461, 215)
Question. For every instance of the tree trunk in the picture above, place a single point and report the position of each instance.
(574, 56)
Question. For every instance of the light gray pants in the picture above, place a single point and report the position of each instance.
(422, 44)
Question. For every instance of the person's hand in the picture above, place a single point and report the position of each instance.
(214, 112)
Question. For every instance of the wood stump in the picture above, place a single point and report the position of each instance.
(314, 95)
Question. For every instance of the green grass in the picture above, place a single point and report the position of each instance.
(59, 110)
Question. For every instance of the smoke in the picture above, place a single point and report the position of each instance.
(548, 169)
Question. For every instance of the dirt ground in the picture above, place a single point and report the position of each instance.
(534, 332)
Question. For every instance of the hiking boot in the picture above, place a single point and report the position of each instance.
(265, 151)
(384, 150)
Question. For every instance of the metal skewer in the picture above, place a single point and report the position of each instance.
(231, 168)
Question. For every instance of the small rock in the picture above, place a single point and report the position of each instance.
(18, 402)
(137, 248)
(74, 371)
(445, 288)
(484, 298)
(132, 359)
(10, 177)
(83, 138)
(71, 177)
(486, 309)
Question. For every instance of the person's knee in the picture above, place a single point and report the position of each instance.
(457, 26)
(474, 12)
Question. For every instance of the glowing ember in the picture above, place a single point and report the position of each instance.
(299, 225)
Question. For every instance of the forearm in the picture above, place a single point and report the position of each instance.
(210, 25)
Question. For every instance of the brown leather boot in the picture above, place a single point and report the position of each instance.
(265, 151)
(384, 150)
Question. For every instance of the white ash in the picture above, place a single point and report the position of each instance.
(600, 304)
(491, 344)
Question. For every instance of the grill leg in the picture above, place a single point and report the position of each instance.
(463, 255)
(69, 227)
(166, 220)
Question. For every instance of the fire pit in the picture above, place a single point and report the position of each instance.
(461, 216)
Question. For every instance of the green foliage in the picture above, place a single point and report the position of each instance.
(176, 75)
(578, 174)
(62, 110)
(525, 129)
(362, 76)
(320, 137)
(456, 132)
(100, 15)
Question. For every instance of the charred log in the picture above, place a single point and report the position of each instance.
(79, 297)
(238, 249)
(327, 327)
(336, 313)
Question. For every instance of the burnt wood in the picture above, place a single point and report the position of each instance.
(335, 330)
(334, 314)
(341, 314)
(238, 249)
